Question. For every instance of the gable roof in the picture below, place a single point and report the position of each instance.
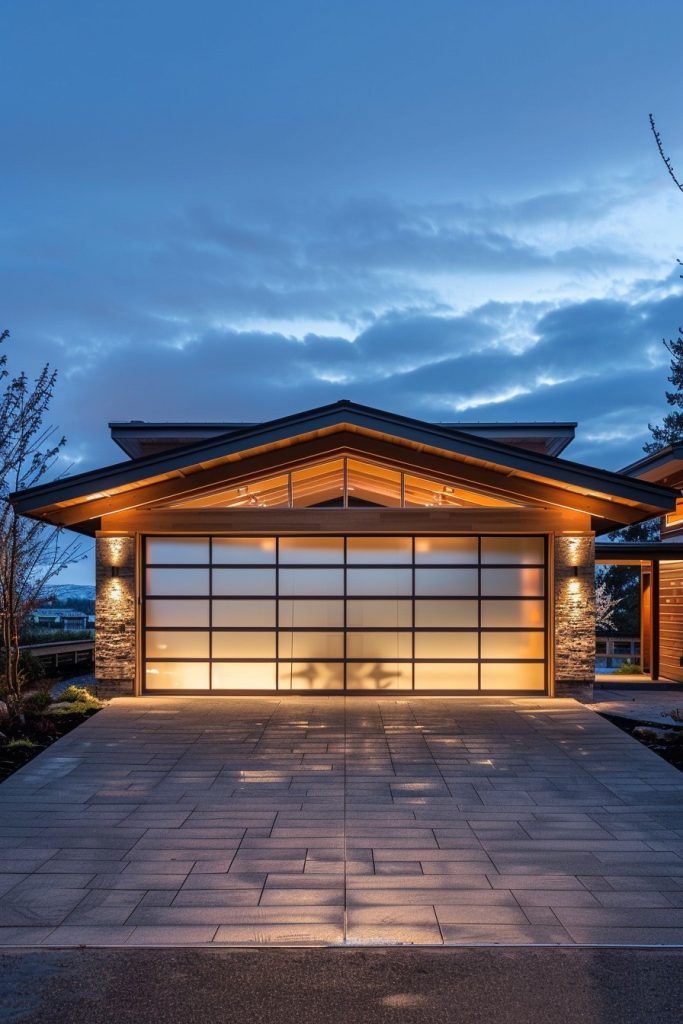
(97, 489)
(138, 438)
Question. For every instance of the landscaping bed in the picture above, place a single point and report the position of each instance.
(663, 740)
(38, 722)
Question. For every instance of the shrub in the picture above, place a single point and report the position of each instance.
(31, 671)
(36, 702)
(628, 668)
(76, 707)
(38, 635)
(17, 746)
(17, 753)
(80, 695)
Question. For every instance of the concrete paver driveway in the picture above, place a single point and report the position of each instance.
(343, 820)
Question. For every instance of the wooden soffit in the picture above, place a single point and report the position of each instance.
(515, 483)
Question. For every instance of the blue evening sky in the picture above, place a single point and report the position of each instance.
(232, 210)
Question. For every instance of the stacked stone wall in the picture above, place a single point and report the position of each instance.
(115, 616)
(574, 586)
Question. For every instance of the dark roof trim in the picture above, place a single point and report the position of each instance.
(133, 435)
(664, 457)
(456, 441)
(653, 550)
(455, 425)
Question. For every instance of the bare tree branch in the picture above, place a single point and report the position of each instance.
(31, 553)
(665, 158)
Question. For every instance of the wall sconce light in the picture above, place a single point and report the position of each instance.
(115, 571)
(575, 570)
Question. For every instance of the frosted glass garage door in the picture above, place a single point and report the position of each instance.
(462, 614)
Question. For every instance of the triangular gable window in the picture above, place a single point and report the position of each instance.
(344, 482)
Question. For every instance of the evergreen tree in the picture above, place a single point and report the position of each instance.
(671, 429)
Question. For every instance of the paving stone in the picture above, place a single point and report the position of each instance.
(479, 898)
(229, 880)
(266, 820)
(449, 913)
(87, 935)
(648, 898)
(303, 897)
(556, 898)
(26, 905)
(212, 898)
(23, 936)
(394, 934)
(505, 934)
(280, 934)
(171, 935)
(624, 936)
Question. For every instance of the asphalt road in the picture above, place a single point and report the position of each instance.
(342, 986)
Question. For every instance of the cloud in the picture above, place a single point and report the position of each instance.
(460, 310)
(600, 362)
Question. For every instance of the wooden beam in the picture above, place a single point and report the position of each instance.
(347, 520)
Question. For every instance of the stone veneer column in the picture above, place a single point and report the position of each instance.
(115, 616)
(574, 615)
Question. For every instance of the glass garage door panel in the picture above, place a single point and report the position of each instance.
(446, 582)
(240, 612)
(506, 582)
(513, 550)
(243, 582)
(512, 676)
(181, 675)
(247, 675)
(318, 614)
(243, 550)
(315, 645)
(507, 646)
(311, 582)
(311, 550)
(235, 643)
(169, 614)
(379, 550)
(513, 614)
(180, 582)
(364, 613)
(446, 676)
(379, 582)
(446, 645)
(310, 675)
(446, 614)
(379, 675)
(380, 645)
(178, 551)
(446, 550)
(376, 613)
(177, 644)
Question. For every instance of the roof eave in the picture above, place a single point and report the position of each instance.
(337, 416)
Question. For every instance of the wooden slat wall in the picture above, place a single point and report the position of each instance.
(645, 619)
(671, 621)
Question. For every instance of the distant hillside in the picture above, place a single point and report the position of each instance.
(74, 595)
(63, 591)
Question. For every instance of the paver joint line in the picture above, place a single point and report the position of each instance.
(377, 821)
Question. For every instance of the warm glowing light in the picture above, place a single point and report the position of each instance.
(115, 548)
(675, 518)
